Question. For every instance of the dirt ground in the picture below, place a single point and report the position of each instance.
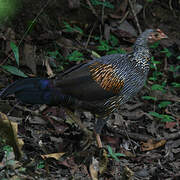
(141, 140)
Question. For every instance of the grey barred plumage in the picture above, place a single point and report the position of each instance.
(99, 86)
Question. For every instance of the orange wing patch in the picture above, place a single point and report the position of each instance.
(104, 75)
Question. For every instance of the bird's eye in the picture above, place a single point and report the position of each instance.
(156, 35)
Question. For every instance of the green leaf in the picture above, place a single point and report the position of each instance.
(75, 56)
(175, 84)
(149, 98)
(156, 44)
(14, 70)
(72, 29)
(164, 104)
(15, 51)
(104, 46)
(41, 165)
(167, 52)
(178, 57)
(166, 118)
(157, 87)
(110, 149)
(95, 54)
(155, 114)
(120, 155)
(104, 3)
(114, 41)
(53, 54)
(78, 29)
(153, 78)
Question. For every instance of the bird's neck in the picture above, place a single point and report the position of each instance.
(141, 43)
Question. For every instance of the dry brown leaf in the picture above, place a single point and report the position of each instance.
(8, 131)
(48, 68)
(150, 145)
(56, 156)
(94, 169)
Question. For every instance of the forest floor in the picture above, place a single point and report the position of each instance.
(141, 140)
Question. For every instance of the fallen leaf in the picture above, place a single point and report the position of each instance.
(48, 68)
(56, 156)
(94, 169)
(150, 145)
(8, 131)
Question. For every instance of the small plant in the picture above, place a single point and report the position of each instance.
(13, 69)
(75, 28)
(104, 46)
(167, 52)
(175, 84)
(113, 154)
(149, 98)
(164, 104)
(154, 63)
(162, 117)
(75, 56)
(102, 3)
(155, 45)
(41, 165)
(155, 76)
(110, 49)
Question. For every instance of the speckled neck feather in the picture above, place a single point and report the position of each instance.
(142, 40)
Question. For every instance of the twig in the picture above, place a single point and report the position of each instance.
(136, 19)
(89, 37)
(92, 8)
(124, 17)
(102, 15)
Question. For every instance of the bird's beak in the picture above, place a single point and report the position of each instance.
(163, 36)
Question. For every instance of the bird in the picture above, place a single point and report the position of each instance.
(100, 86)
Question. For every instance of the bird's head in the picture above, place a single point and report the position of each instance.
(156, 35)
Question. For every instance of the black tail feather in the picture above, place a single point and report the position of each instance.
(35, 91)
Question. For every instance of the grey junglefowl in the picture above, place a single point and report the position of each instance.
(99, 86)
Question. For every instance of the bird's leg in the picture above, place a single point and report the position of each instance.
(77, 121)
(88, 134)
(98, 128)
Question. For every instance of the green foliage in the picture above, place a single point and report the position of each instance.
(178, 57)
(167, 52)
(75, 56)
(174, 69)
(15, 51)
(73, 29)
(14, 70)
(154, 63)
(104, 46)
(155, 45)
(102, 3)
(41, 165)
(117, 51)
(7, 149)
(158, 87)
(162, 117)
(53, 54)
(114, 41)
(149, 98)
(164, 104)
(113, 154)
(95, 54)
(155, 76)
(175, 84)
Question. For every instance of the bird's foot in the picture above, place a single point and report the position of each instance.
(88, 139)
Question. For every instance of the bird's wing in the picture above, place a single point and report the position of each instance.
(92, 81)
